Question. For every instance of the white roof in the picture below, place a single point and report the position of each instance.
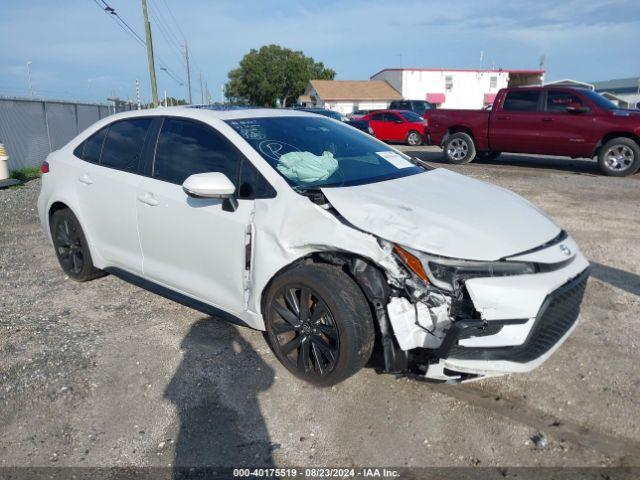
(187, 111)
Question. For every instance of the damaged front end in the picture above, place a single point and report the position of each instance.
(431, 329)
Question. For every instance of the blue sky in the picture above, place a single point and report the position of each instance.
(78, 52)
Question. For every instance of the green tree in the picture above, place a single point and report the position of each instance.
(273, 73)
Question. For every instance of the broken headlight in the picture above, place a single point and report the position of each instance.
(447, 273)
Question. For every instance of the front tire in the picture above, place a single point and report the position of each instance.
(414, 139)
(619, 157)
(71, 247)
(319, 324)
(459, 148)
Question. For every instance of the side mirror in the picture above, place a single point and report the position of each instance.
(212, 185)
(576, 108)
(209, 185)
(398, 121)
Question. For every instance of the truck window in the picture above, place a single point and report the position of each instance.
(557, 101)
(521, 101)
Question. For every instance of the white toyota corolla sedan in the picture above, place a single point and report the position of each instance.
(342, 249)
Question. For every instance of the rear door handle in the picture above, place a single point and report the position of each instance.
(547, 119)
(502, 117)
(86, 179)
(148, 199)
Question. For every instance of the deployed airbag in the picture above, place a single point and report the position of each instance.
(307, 167)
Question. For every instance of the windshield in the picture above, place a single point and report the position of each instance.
(311, 152)
(599, 100)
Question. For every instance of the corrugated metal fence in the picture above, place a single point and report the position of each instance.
(31, 129)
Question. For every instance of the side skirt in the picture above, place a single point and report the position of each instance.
(175, 296)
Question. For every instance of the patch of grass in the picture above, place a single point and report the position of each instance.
(25, 174)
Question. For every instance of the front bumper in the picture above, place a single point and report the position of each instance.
(554, 322)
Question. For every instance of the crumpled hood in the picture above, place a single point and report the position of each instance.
(446, 214)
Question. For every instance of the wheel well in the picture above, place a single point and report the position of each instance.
(611, 136)
(337, 258)
(458, 129)
(55, 207)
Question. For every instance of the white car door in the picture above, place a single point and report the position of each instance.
(107, 191)
(195, 246)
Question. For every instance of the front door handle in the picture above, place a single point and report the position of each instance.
(547, 119)
(86, 179)
(502, 117)
(148, 199)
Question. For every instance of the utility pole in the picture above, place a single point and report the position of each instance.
(138, 95)
(152, 67)
(186, 56)
(201, 89)
(29, 78)
(206, 89)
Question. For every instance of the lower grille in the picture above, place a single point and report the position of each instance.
(557, 315)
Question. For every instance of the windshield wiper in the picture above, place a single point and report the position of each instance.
(420, 163)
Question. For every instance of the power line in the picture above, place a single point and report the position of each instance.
(174, 19)
(164, 24)
(113, 12)
(166, 34)
(184, 37)
(132, 33)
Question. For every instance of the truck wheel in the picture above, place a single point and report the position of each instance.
(459, 148)
(487, 155)
(414, 138)
(319, 324)
(619, 157)
(71, 247)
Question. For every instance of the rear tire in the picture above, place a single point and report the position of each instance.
(414, 139)
(459, 148)
(72, 248)
(619, 157)
(330, 338)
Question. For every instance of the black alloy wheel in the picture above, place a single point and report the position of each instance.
(71, 247)
(305, 331)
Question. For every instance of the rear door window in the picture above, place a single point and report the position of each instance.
(186, 147)
(91, 148)
(521, 101)
(377, 117)
(390, 117)
(123, 146)
(558, 101)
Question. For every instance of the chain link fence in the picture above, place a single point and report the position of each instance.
(31, 129)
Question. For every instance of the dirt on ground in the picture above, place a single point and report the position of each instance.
(106, 374)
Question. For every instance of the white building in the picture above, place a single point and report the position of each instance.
(345, 96)
(453, 88)
(623, 91)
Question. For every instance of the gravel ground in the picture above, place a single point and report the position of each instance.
(107, 374)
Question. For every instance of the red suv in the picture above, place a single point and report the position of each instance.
(398, 126)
